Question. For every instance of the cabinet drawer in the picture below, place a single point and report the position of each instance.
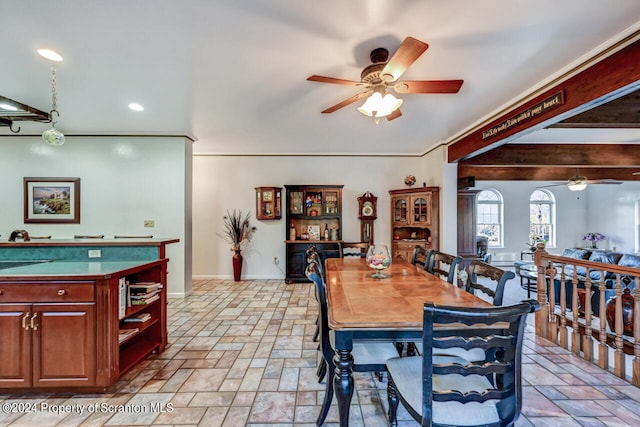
(46, 292)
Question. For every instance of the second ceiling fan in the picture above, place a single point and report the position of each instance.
(383, 74)
(579, 183)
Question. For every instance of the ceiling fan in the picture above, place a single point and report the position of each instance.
(383, 74)
(579, 183)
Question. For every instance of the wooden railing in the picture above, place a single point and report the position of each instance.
(575, 327)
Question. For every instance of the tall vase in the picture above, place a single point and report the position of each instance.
(594, 244)
(237, 265)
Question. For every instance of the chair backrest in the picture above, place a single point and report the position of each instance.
(444, 265)
(354, 249)
(314, 264)
(494, 383)
(482, 275)
(419, 256)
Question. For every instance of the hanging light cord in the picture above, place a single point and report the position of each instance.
(54, 96)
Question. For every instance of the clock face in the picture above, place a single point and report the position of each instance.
(267, 196)
(367, 209)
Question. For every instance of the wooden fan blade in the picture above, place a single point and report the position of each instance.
(333, 80)
(394, 115)
(553, 185)
(346, 102)
(407, 53)
(603, 181)
(428, 86)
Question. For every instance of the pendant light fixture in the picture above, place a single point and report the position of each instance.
(53, 136)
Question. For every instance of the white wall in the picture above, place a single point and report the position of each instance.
(606, 209)
(612, 213)
(222, 183)
(123, 181)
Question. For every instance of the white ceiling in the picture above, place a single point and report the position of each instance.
(232, 74)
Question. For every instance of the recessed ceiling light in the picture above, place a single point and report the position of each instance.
(50, 54)
(8, 107)
(136, 107)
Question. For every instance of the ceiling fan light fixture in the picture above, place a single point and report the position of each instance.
(577, 186)
(578, 183)
(378, 105)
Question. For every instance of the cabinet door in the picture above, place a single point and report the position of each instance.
(15, 350)
(331, 202)
(64, 345)
(421, 209)
(296, 202)
(296, 262)
(400, 206)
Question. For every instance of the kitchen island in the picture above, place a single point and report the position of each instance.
(72, 325)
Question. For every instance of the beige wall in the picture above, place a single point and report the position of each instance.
(223, 183)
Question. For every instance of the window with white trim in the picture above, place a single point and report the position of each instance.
(542, 217)
(489, 204)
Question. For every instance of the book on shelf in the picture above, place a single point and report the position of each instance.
(126, 333)
(140, 293)
(143, 296)
(123, 301)
(145, 286)
(138, 318)
(145, 301)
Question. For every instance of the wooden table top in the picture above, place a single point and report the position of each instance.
(357, 301)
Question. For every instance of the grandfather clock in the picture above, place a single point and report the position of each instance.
(367, 213)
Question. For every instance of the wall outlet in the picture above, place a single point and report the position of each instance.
(149, 223)
(95, 253)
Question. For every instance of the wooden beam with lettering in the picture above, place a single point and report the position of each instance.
(618, 72)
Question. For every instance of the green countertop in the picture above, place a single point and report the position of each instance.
(70, 268)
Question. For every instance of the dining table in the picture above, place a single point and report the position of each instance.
(387, 309)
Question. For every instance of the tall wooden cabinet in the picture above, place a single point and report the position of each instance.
(313, 217)
(415, 220)
(467, 224)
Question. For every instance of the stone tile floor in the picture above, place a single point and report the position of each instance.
(241, 354)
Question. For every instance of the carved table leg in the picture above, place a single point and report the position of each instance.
(343, 383)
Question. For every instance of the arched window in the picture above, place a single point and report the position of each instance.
(489, 221)
(542, 217)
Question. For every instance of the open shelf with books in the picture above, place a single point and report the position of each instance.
(142, 327)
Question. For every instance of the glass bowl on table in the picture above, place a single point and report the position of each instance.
(378, 258)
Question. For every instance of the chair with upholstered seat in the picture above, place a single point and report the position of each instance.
(439, 390)
(354, 249)
(488, 279)
(368, 356)
(444, 265)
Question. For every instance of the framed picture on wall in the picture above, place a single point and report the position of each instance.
(52, 200)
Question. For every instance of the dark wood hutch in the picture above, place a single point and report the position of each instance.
(313, 218)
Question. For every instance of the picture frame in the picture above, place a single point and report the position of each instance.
(314, 232)
(51, 200)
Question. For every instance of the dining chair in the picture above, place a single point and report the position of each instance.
(353, 249)
(368, 356)
(314, 266)
(421, 256)
(439, 390)
(444, 265)
(488, 279)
